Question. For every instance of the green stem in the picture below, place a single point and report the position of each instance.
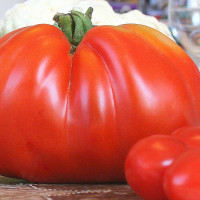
(74, 25)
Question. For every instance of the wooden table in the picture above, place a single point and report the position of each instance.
(13, 189)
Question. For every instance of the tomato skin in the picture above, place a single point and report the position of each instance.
(147, 162)
(189, 135)
(182, 179)
(73, 119)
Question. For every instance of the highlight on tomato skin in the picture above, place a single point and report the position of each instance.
(182, 179)
(147, 162)
(190, 135)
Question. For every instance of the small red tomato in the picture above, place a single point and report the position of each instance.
(182, 179)
(189, 135)
(147, 161)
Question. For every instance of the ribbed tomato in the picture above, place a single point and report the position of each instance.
(73, 118)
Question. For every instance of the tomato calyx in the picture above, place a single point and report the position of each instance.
(74, 25)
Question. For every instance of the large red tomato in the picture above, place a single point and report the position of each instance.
(73, 118)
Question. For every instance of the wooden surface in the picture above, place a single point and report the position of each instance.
(13, 189)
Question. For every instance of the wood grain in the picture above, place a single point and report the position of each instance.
(17, 189)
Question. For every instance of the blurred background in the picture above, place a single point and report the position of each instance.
(157, 8)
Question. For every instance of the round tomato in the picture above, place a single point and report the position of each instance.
(182, 179)
(189, 135)
(146, 163)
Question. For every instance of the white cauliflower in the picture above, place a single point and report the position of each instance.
(34, 12)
